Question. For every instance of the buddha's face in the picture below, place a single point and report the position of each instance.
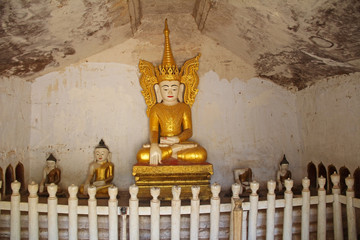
(50, 164)
(284, 167)
(169, 91)
(101, 154)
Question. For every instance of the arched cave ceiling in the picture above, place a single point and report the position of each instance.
(293, 43)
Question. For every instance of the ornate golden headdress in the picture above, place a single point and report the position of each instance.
(168, 71)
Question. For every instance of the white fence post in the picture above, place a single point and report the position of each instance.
(288, 195)
(133, 213)
(123, 211)
(113, 213)
(237, 219)
(254, 199)
(235, 196)
(270, 212)
(305, 209)
(53, 230)
(215, 211)
(73, 216)
(92, 204)
(15, 227)
(321, 216)
(155, 213)
(33, 201)
(195, 213)
(337, 215)
(244, 225)
(175, 213)
(350, 210)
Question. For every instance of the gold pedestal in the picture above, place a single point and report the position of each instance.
(173, 172)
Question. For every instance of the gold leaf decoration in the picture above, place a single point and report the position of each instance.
(147, 82)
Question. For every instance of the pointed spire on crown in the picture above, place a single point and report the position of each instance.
(51, 158)
(102, 145)
(168, 69)
(284, 161)
(168, 58)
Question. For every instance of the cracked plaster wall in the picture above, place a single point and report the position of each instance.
(329, 114)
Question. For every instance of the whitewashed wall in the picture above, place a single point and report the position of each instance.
(72, 110)
(329, 114)
(14, 122)
(241, 123)
(246, 124)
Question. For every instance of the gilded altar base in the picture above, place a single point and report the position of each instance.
(173, 172)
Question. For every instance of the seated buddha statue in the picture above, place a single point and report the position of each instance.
(282, 174)
(100, 172)
(169, 95)
(51, 174)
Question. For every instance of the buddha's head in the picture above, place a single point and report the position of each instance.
(284, 164)
(101, 152)
(51, 162)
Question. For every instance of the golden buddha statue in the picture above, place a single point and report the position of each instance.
(169, 94)
(171, 158)
(100, 172)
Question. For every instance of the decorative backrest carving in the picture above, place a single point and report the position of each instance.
(19, 174)
(344, 173)
(357, 182)
(3, 183)
(322, 172)
(9, 178)
(311, 172)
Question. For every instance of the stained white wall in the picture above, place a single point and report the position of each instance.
(241, 123)
(14, 122)
(74, 109)
(246, 124)
(329, 114)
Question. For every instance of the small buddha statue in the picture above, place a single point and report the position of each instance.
(169, 95)
(51, 174)
(243, 176)
(283, 173)
(100, 172)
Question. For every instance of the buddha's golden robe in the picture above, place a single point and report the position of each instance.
(102, 173)
(169, 121)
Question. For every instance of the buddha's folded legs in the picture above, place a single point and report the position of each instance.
(195, 154)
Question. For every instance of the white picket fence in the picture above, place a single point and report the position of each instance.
(243, 220)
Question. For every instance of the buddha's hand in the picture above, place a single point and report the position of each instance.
(86, 186)
(41, 188)
(155, 154)
(99, 183)
(169, 140)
